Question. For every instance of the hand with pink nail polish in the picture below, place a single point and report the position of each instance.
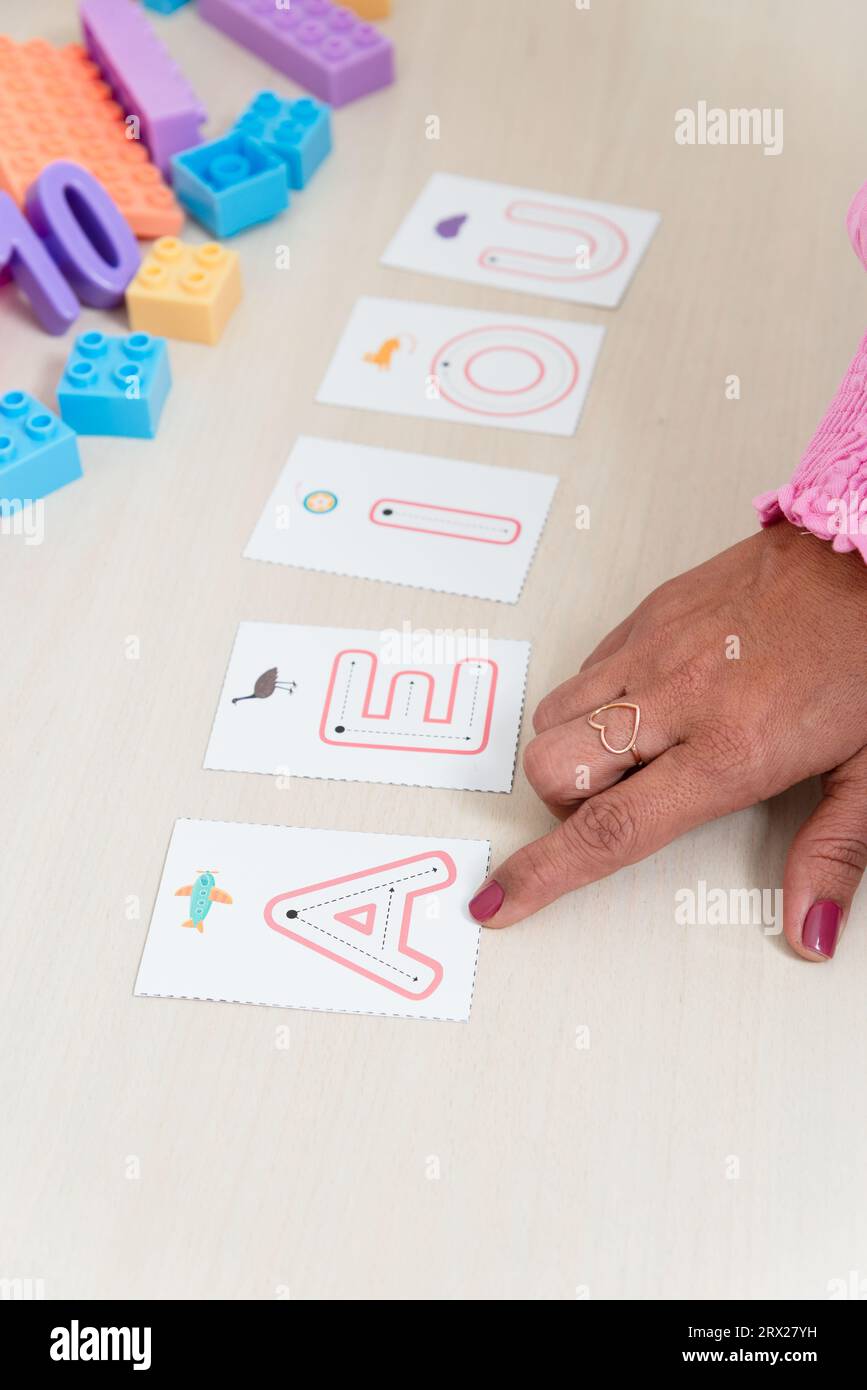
(749, 674)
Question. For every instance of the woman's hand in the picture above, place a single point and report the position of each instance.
(751, 674)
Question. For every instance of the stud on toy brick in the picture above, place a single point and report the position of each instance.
(38, 453)
(230, 184)
(319, 45)
(115, 385)
(54, 105)
(165, 6)
(143, 76)
(185, 291)
(298, 132)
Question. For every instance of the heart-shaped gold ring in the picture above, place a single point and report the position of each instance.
(629, 747)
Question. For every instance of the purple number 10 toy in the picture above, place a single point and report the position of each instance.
(75, 231)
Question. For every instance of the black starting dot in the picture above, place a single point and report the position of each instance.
(340, 728)
(292, 912)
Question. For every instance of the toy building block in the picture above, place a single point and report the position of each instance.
(298, 132)
(183, 291)
(369, 9)
(164, 6)
(38, 453)
(115, 385)
(143, 77)
(319, 45)
(54, 105)
(231, 183)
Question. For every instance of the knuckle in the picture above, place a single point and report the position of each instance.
(543, 865)
(724, 749)
(842, 856)
(658, 598)
(688, 680)
(605, 828)
(543, 714)
(541, 765)
(532, 760)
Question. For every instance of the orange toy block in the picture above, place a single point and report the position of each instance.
(369, 9)
(184, 291)
(55, 105)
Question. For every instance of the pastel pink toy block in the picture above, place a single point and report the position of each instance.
(321, 46)
(143, 76)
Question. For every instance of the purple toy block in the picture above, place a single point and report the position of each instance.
(319, 45)
(22, 253)
(143, 76)
(84, 232)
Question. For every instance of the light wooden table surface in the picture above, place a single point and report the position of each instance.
(563, 1170)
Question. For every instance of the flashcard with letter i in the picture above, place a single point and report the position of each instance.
(406, 706)
(316, 919)
(435, 523)
(520, 239)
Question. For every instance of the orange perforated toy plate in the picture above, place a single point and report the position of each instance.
(55, 105)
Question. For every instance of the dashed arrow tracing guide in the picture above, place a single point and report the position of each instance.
(377, 942)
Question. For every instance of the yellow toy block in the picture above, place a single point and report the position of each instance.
(184, 291)
(369, 9)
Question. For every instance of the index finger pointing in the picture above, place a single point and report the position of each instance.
(619, 826)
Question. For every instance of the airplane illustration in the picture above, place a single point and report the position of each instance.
(201, 894)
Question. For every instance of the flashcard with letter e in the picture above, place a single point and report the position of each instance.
(412, 707)
(434, 523)
(316, 919)
(501, 370)
(520, 239)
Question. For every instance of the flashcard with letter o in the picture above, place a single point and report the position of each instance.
(502, 370)
(419, 708)
(316, 919)
(520, 239)
(435, 523)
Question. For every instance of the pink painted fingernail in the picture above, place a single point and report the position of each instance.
(822, 927)
(487, 901)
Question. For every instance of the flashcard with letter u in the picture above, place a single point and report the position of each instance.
(521, 239)
(412, 707)
(435, 523)
(501, 370)
(316, 919)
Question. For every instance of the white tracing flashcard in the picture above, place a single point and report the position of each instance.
(520, 239)
(316, 919)
(412, 707)
(501, 370)
(433, 523)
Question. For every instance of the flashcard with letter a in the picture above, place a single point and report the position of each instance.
(316, 919)
(521, 239)
(462, 528)
(412, 707)
(501, 370)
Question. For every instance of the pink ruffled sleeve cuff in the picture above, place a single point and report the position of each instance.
(828, 492)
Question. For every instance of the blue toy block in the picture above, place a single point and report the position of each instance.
(230, 183)
(165, 6)
(298, 132)
(115, 385)
(38, 453)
